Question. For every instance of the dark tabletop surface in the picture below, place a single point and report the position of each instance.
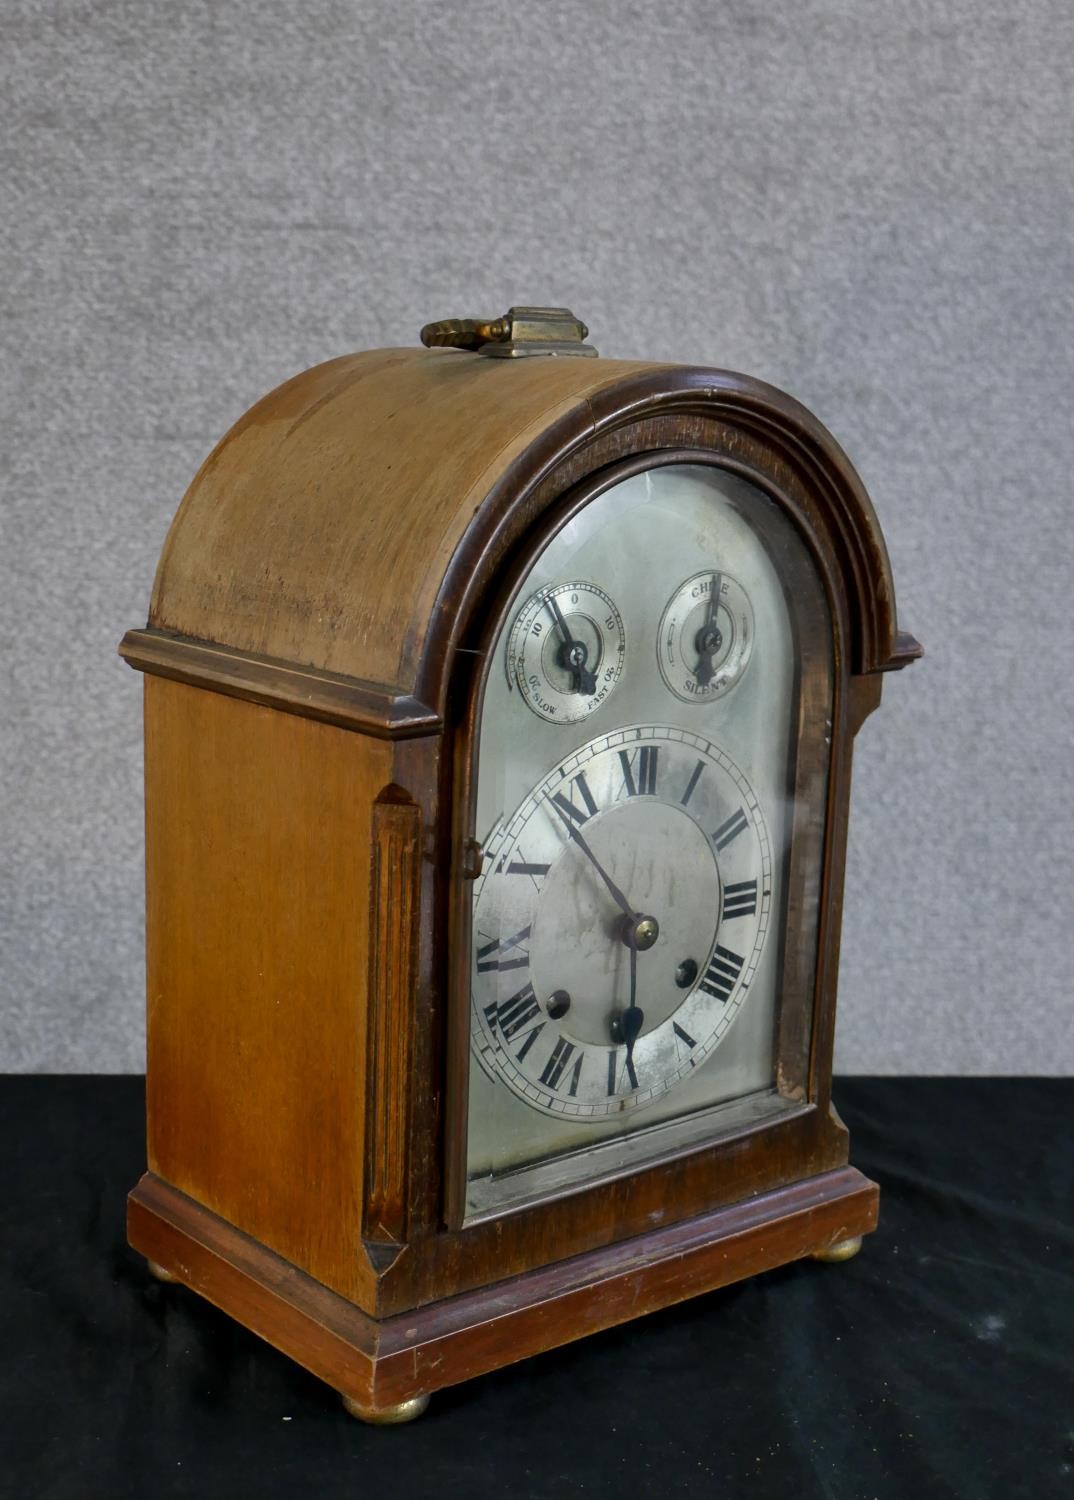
(938, 1363)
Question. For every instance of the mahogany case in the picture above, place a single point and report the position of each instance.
(310, 675)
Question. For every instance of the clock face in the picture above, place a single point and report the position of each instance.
(635, 885)
(644, 817)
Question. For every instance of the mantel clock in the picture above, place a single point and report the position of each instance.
(499, 705)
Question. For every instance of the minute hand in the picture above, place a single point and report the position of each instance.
(616, 894)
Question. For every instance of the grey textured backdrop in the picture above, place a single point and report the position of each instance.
(868, 204)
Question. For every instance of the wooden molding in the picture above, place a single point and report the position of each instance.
(379, 1362)
(906, 649)
(326, 696)
(393, 926)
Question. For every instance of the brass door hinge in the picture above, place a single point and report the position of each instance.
(521, 331)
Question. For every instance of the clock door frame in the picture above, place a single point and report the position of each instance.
(817, 691)
(770, 441)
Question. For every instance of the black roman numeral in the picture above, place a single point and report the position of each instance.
(645, 785)
(503, 946)
(511, 1015)
(519, 865)
(694, 779)
(740, 899)
(684, 1043)
(730, 830)
(566, 804)
(613, 1073)
(531, 1037)
(556, 1065)
(721, 976)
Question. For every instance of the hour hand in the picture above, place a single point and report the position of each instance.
(627, 1027)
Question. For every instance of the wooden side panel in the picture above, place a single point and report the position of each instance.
(258, 830)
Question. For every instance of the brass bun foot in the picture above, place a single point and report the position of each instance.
(159, 1272)
(386, 1416)
(840, 1251)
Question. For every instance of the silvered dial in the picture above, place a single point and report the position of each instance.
(706, 636)
(619, 919)
(565, 651)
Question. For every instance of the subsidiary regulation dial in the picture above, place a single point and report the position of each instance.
(706, 636)
(566, 650)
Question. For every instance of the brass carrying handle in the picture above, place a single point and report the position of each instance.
(521, 331)
(464, 333)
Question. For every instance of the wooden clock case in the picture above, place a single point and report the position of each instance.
(313, 662)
